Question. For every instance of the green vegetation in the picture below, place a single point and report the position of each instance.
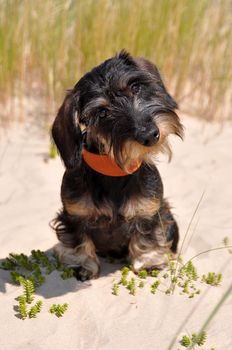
(132, 286)
(28, 290)
(35, 267)
(29, 273)
(154, 287)
(115, 289)
(48, 46)
(26, 298)
(58, 309)
(212, 278)
(178, 277)
(194, 340)
(35, 309)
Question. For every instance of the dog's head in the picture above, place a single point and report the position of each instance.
(125, 109)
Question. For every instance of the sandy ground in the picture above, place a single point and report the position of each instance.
(96, 319)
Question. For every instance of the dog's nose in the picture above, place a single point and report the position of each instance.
(149, 137)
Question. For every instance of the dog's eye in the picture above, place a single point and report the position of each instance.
(135, 88)
(102, 113)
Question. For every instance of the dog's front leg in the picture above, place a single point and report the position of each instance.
(82, 259)
(153, 241)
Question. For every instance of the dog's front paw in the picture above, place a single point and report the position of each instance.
(81, 259)
(82, 274)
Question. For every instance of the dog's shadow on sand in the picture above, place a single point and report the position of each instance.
(54, 285)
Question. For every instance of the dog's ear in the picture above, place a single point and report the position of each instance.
(66, 132)
(150, 68)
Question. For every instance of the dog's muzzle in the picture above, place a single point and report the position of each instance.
(148, 136)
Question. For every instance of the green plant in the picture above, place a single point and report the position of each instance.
(115, 289)
(27, 298)
(35, 309)
(155, 273)
(37, 277)
(21, 260)
(142, 274)
(58, 309)
(132, 286)
(212, 278)
(8, 264)
(67, 273)
(141, 284)
(16, 276)
(154, 286)
(124, 274)
(42, 259)
(22, 306)
(199, 340)
(28, 289)
(185, 341)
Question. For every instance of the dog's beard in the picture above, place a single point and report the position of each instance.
(132, 150)
(126, 152)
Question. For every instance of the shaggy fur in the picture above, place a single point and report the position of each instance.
(120, 108)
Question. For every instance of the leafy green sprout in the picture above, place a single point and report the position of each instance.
(212, 278)
(28, 289)
(35, 267)
(27, 298)
(115, 289)
(155, 273)
(35, 309)
(132, 286)
(22, 306)
(199, 340)
(58, 309)
(155, 286)
(142, 274)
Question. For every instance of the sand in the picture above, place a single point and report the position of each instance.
(96, 319)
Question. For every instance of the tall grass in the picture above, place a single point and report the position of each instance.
(49, 44)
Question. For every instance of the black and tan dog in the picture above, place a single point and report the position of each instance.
(108, 131)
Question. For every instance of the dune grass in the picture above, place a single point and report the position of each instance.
(49, 44)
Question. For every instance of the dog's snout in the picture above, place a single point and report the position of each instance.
(149, 136)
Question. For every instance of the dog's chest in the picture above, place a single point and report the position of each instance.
(107, 210)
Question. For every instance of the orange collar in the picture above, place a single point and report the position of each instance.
(105, 165)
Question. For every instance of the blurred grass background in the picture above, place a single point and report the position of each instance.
(46, 46)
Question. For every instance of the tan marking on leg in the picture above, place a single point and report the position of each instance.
(145, 254)
(83, 255)
(140, 207)
(85, 207)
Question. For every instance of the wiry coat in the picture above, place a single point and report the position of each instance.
(128, 114)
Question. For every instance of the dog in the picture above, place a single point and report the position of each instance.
(108, 132)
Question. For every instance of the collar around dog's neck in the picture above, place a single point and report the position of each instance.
(105, 165)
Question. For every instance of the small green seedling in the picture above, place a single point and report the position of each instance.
(58, 309)
(199, 340)
(28, 289)
(185, 341)
(155, 273)
(132, 286)
(154, 286)
(35, 309)
(142, 274)
(115, 289)
(67, 273)
(124, 274)
(141, 284)
(22, 306)
(212, 278)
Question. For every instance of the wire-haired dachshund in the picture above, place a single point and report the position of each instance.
(108, 131)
